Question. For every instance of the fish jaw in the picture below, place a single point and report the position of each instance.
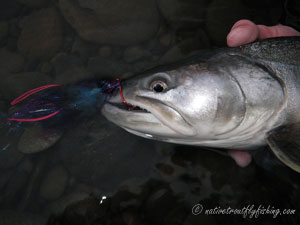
(153, 119)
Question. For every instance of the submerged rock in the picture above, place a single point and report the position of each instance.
(46, 67)
(107, 67)
(10, 62)
(13, 85)
(37, 139)
(112, 22)
(165, 39)
(74, 75)
(101, 154)
(15, 188)
(3, 30)
(83, 48)
(33, 3)
(60, 205)
(134, 53)
(105, 51)
(8, 217)
(183, 49)
(199, 219)
(3, 106)
(9, 9)
(54, 184)
(41, 34)
(10, 157)
(63, 62)
(188, 13)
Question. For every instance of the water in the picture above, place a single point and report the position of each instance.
(95, 172)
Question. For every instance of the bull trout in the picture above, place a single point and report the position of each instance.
(230, 98)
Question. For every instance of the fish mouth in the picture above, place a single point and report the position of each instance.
(147, 117)
(129, 107)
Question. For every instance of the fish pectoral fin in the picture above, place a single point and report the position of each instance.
(284, 142)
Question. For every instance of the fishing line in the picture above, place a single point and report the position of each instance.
(122, 97)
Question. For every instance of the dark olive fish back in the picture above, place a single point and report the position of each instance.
(285, 50)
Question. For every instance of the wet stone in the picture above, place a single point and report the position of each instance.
(37, 139)
(165, 40)
(96, 146)
(186, 47)
(59, 205)
(107, 68)
(143, 65)
(188, 13)
(3, 106)
(165, 168)
(9, 217)
(214, 162)
(132, 54)
(3, 30)
(9, 9)
(39, 26)
(82, 212)
(105, 51)
(158, 205)
(199, 219)
(4, 177)
(112, 22)
(46, 68)
(176, 216)
(14, 190)
(123, 199)
(131, 218)
(73, 75)
(10, 62)
(63, 62)
(34, 3)
(83, 48)
(11, 156)
(54, 183)
(16, 84)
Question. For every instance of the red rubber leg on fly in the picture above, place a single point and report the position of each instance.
(26, 95)
(31, 92)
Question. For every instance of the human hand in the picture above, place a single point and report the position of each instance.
(245, 31)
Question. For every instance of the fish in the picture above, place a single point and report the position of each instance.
(230, 98)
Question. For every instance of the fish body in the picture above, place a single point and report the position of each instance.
(234, 98)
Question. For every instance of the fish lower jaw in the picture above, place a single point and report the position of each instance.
(153, 135)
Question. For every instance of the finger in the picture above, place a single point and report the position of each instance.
(242, 32)
(242, 158)
(275, 31)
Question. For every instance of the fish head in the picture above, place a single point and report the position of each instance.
(181, 105)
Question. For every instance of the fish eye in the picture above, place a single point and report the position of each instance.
(158, 86)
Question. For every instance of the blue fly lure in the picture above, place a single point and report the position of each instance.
(54, 106)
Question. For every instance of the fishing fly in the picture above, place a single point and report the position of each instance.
(55, 105)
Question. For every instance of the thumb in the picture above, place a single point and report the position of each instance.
(242, 32)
